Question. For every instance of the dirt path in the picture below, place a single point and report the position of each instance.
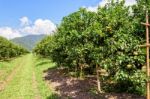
(11, 75)
(21, 83)
(36, 91)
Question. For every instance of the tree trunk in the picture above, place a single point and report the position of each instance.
(81, 71)
(76, 70)
(98, 80)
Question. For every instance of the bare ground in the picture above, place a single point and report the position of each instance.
(72, 88)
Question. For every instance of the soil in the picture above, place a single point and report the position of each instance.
(67, 87)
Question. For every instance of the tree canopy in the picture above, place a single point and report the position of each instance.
(108, 38)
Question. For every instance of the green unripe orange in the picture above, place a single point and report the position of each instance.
(135, 53)
(129, 66)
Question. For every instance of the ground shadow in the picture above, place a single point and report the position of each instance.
(53, 96)
(43, 63)
(73, 88)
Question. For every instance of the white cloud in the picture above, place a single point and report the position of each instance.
(93, 9)
(25, 21)
(9, 33)
(40, 26)
(103, 2)
(130, 2)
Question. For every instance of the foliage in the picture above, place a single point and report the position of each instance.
(45, 46)
(108, 38)
(9, 50)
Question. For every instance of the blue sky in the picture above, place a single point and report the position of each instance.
(25, 17)
(12, 10)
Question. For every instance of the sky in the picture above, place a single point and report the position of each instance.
(25, 17)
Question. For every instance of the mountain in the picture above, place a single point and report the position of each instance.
(28, 41)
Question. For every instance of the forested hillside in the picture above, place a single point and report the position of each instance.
(29, 41)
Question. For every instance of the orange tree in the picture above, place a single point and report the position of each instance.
(45, 46)
(106, 39)
(123, 58)
(9, 50)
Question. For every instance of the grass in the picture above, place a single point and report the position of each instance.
(42, 65)
(21, 86)
(6, 67)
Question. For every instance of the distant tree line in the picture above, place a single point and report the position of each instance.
(9, 50)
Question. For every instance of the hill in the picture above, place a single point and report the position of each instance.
(28, 41)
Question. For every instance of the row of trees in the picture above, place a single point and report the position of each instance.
(105, 42)
(9, 50)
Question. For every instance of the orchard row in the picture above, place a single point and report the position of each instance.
(105, 42)
(9, 50)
